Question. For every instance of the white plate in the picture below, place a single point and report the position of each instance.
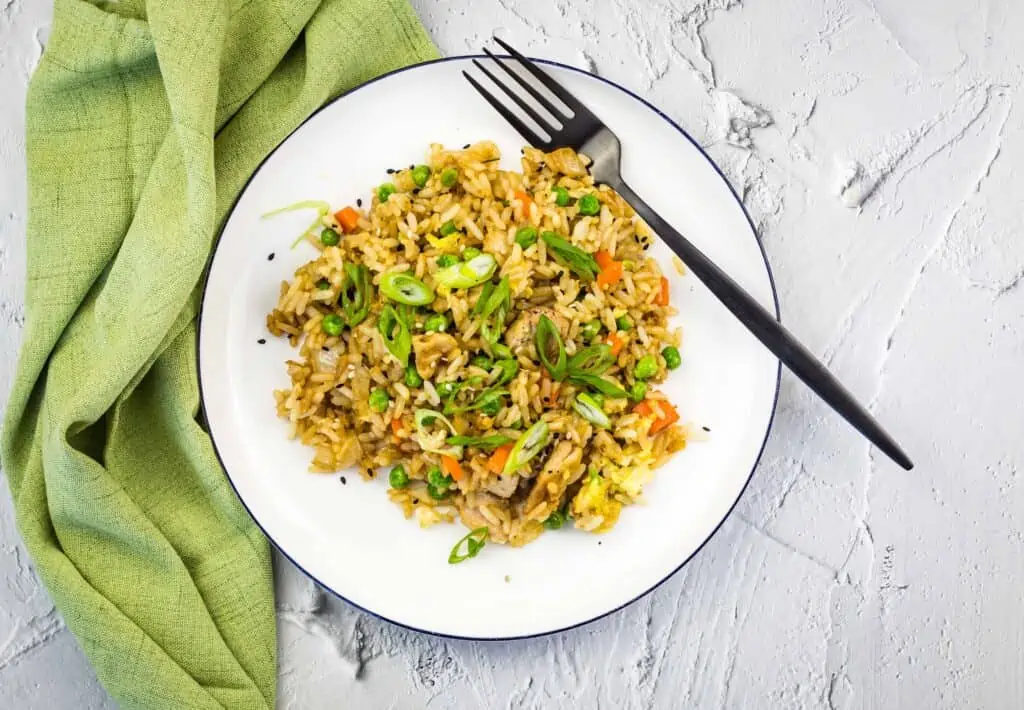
(350, 538)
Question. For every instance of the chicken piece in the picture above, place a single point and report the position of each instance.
(522, 331)
(503, 486)
(566, 161)
(430, 350)
(562, 467)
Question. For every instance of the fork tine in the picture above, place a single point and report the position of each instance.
(527, 132)
(527, 109)
(544, 78)
(538, 97)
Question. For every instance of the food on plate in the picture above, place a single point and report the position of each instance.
(492, 339)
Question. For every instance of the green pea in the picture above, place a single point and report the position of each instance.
(590, 330)
(555, 520)
(491, 407)
(436, 323)
(589, 205)
(672, 357)
(385, 191)
(598, 399)
(638, 391)
(437, 493)
(623, 323)
(379, 400)
(437, 479)
(332, 324)
(329, 238)
(446, 260)
(323, 284)
(509, 369)
(526, 237)
(470, 253)
(646, 368)
(561, 195)
(398, 478)
(482, 361)
(447, 389)
(449, 176)
(448, 228)
(412, 377)
(420, 175)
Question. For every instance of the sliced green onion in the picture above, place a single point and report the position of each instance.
(480, 442)
(573, 258)
(356, 294)
(486, 400)
(599, 384)
(322, 208)
(550, 348)
(591, 360)
(402, 287)
(529, 444)
(472, 543)
(589, 409)
(423, 418)
(509, 369)
(501, 350)
(494, 312)
(469, 273)
(470, 253)
(485, 293)
(395, 332)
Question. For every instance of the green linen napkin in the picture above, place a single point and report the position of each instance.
(144, 120)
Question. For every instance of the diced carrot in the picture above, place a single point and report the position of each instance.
(524, 203)
(496, 464)
(643, 409)
(662, 298)
(667, 418)
(348, 218)
(616, 340)
(610, 275)
(603, 258)
(451, 467)
(396, 426)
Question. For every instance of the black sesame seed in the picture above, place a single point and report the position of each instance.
(270, 257)
(411, 167)
(598, 542)
(262, 341)
(706, 428)
(324, 348)
(359, 202)
(465, 146)
(344, 481)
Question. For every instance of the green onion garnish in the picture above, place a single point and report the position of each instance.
(469, 273)
(356, 294)
(395, 331)
(404, 288)
(608, 389)
(592, 360)
(573, 258)
(550, 348)
(589, 409)
(480, 442)
(473, 543)
(527, 446)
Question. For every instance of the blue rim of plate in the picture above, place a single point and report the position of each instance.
(757, 459)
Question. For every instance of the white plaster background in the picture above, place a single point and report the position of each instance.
(878, 144)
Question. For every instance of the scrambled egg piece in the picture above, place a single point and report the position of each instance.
(594, 508)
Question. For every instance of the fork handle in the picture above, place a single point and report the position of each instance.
(766, 328)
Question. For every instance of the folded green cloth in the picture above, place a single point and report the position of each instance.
(144, 121)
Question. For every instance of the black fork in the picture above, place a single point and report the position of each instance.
(584, 132)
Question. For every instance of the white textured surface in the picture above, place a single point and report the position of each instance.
(877, 144)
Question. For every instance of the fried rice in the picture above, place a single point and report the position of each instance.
(461, 380)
